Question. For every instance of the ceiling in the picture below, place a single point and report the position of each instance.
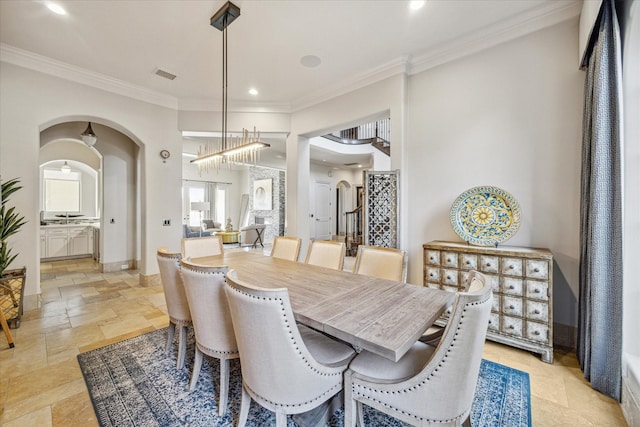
(357, 42)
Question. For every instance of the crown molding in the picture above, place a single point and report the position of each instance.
(545, 15)
(536, 19)
(374, 75)
(43, 64)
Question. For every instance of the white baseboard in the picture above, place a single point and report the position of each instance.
(631, 389)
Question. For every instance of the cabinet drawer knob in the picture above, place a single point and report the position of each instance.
(511, 267)
(536, 311)
(511, 327)
(511, 287)
(448, 277)
(536, 333)
(537, 291)
(488, 264)
(536, 270)
(511, 307)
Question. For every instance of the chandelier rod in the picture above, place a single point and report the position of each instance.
(224, 84)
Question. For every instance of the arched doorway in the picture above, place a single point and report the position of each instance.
(115, 157)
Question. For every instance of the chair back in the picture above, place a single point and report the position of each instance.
(276, 363)
(212, 323)
(384, 263)
(196, 247)
(326, 253)
(172, 286)
(452, 372)
(286, 247)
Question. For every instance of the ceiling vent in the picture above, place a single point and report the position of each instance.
(165, 74)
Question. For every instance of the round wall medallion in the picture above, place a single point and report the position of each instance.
(165, 154)
(485, 216)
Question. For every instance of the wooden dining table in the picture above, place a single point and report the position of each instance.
(382, 316)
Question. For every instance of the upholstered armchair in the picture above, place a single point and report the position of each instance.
(286, 247)
(197, 247)
(326, 253)
(286, 368)
(204, 287)
(384, 263)
(176, 300)
(194, 231)
(428, 385)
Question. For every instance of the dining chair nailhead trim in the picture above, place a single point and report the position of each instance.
(321, 397)
(211, 352)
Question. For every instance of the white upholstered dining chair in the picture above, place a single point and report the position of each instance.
(474, 281)
(428, 385)
(286, 247)
(212, 323)
(326, 253)
(176, 300)
(195, 247)
(286, 368)
(384, 263)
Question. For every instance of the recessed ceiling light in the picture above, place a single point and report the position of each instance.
(56, 8)
(253, 91)
(310, 61)
(416, 4)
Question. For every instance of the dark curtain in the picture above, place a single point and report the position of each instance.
(600, 307)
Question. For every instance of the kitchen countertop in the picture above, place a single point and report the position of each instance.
(72, 224)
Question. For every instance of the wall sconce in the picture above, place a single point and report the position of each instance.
(65, 168)
(88, 136)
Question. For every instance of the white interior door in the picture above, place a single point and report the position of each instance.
(322, 211)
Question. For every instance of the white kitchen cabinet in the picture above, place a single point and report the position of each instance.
(66, 241)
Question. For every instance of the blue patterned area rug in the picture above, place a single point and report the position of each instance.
(135, 383)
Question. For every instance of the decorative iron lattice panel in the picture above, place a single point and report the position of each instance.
(381, 208)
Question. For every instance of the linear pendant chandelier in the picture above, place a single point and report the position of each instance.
(231, 150)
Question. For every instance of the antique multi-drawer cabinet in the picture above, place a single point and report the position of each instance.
(522, 282)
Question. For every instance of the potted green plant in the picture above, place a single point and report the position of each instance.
(11, 281)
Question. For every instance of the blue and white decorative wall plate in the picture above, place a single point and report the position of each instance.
(485, 216)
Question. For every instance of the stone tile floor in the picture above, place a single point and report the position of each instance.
(81, 309)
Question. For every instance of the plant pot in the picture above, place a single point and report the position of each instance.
(11, 293)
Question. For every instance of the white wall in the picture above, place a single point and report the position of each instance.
(32, 101)
(510, 117)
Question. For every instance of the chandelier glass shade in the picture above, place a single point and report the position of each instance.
(89, 137)
(65, 168)
(230, 150)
